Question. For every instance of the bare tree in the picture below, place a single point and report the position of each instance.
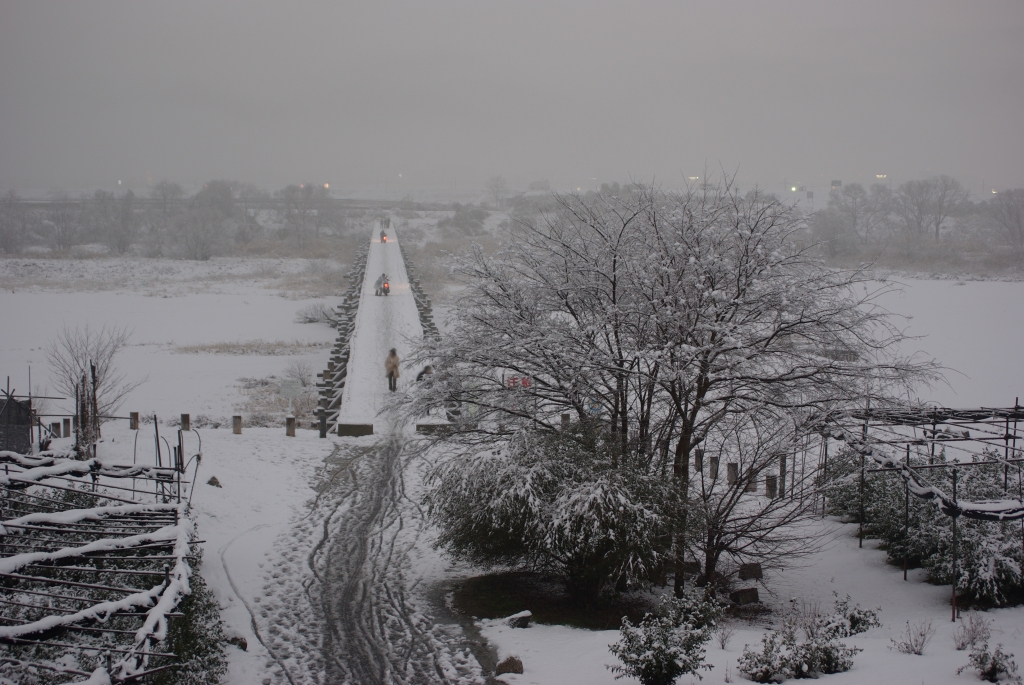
(1007, 211)
(299, 210)
(64, 215)
(218, 196)
(155, 227)
(950, 198)
(101, 214)
(75, 351)
(923, 206)
(671, 319)
(832, 230)
(117, 220)
(168, 194)
(16, 220)
(747, 497)
(877, 219)
(852, 204)
(497, 186)
(326, 214)
(854, 215)
(252, 201)
(200, 231)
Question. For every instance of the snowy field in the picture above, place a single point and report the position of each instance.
(256, 527)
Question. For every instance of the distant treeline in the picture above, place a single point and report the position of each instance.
(222, 218)
(923, 224)
(930, 225)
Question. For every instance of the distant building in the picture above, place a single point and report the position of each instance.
(539, 185)
(836, 185)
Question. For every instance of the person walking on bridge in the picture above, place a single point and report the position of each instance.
(391, 368)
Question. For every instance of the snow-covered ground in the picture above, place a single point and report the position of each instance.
(256, 525)
(567, 656)
(974, 328)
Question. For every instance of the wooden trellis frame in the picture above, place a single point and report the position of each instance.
(94, 559)
(888, 436)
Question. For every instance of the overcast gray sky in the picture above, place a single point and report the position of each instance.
(454, 92)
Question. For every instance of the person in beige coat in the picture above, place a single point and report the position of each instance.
(391, 369)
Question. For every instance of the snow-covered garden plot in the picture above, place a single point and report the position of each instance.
(94, 560)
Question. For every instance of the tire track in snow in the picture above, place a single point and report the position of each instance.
(374, 634)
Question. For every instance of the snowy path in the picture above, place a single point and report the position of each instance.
(381, 323)
(371, 631)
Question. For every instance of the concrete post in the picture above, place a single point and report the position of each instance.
(289, 429)
(236, 424)
(186, 424)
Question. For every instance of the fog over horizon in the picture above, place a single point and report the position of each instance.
(420, 97)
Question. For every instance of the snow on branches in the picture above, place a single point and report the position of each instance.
(668, 322)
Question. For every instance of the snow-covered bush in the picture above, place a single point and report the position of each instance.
(667, 644)
(988, 553)
(782, 656)
(821, 655)
(847, 621)
(774, 662)
(992, 665)
(554, 502)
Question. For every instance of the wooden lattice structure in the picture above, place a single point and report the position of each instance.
(94, 559)
(906, 441)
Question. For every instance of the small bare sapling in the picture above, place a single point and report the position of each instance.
(915, 638)
(976, 630)
(723, 634)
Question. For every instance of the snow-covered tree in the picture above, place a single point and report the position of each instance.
(678, 322)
